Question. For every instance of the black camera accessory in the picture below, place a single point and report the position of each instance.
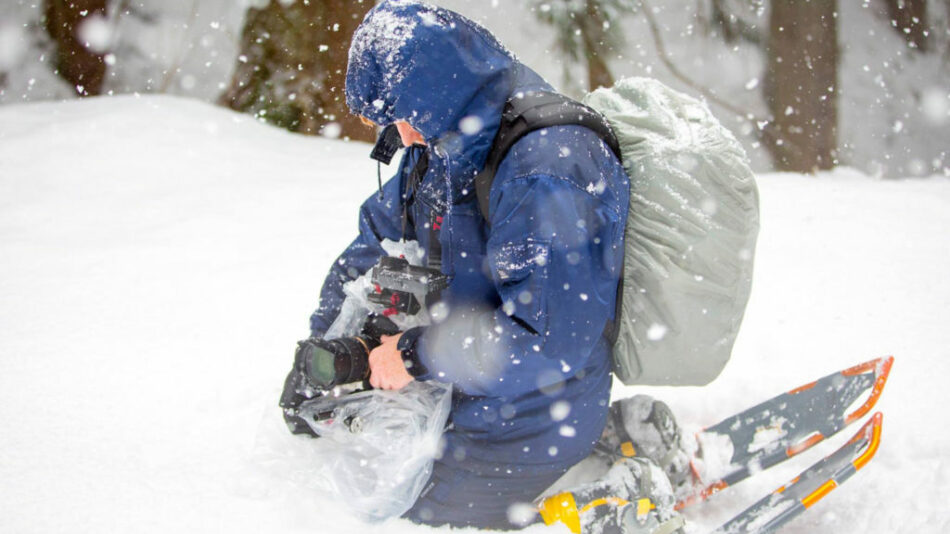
(398, 285)
(387, 145)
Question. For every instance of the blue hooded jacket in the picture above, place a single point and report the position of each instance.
(521, 332)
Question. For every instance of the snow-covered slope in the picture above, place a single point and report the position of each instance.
(160, 257)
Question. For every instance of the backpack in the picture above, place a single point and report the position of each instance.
(691, 230)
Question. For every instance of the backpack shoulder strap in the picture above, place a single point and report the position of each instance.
(527, 112)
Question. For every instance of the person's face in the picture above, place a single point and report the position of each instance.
(409, 134)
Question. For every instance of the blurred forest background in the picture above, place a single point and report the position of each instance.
(805, 84)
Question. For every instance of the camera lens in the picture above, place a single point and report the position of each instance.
(322, 367)
(330, 363)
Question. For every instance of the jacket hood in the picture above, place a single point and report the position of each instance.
(442, 73)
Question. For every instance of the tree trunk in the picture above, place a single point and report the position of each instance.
(84, 69)
(595, 48)
(909, 19)
(801, 86)
(292, 67)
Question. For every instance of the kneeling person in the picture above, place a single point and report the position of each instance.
(532, 288)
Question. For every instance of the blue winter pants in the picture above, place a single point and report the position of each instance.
(464, 498)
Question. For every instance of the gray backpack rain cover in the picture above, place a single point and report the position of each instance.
(690, 236)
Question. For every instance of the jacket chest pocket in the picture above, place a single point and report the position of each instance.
(520, 270)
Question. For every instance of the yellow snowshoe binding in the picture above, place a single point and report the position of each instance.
(634, 497)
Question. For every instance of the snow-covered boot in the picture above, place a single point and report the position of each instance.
(634, 497)
(641, 426)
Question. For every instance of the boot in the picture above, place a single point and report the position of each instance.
(634, 497)
(641, 426)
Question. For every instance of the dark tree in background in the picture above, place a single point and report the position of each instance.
(588, 31)
(83, 68)
(800, 89)
(597, 44)
(909, 19)
(292, 66)
(801, 84)
(801, 80)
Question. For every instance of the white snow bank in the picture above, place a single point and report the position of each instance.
(160, 257)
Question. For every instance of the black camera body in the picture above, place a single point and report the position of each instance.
(323, 364)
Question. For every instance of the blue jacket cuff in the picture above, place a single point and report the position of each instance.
(410, 356)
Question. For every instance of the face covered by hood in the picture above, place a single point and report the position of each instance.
(443, 74)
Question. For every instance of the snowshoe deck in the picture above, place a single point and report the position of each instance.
(777, 509)
(787, 425)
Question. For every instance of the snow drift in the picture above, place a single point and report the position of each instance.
(160, 257)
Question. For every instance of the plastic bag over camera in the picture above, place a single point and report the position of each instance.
(376, 451)
(356, 307)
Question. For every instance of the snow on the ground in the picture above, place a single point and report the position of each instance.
(160, 257)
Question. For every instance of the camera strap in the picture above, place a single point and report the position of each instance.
(418, 172)
(434, 247)
(434, 254)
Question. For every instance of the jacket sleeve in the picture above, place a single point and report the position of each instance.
(380, 218)
(555, 253)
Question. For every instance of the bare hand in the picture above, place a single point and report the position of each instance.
(387, 370)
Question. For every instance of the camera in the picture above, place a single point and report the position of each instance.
(334, 362)
(320, 365)
(398, 288)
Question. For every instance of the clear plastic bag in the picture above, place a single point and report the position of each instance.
(375, 448)
(376, 451)
(356, 307)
